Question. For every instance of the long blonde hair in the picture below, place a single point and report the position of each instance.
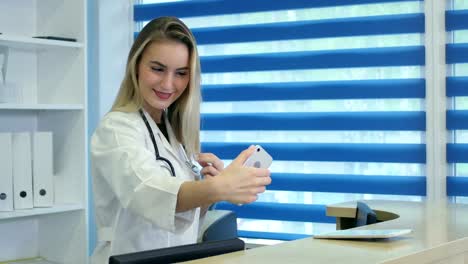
(184, 113)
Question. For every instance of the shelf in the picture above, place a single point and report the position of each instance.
(30, 42)
(37, 260)
(40, 211)
(6, 106)
(46, 91)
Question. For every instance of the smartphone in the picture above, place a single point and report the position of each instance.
(259, 159)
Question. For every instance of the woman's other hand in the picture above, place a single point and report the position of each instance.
(211, 164)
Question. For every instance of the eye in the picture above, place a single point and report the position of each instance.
(157, 69)
(181, 73)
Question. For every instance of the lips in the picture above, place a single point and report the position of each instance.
(162, 95)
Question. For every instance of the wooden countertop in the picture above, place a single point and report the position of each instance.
(433, 225)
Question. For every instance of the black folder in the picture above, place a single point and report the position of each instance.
(180, 253)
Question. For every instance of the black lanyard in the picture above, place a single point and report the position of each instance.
(156, 151)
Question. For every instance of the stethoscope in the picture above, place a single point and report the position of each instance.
(156, 151)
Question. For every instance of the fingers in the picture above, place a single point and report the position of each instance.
(243, 156)
(245, 199)
(211, 164)
(259, 172)
(242, 185)
(260, 189)
(210, 159)
(254, 177)
(256, 172)
(209, 171)
(263, 181)
(252, 198)
(257, 182)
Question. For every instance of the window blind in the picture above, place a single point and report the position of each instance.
(332, 89)
(457, 92)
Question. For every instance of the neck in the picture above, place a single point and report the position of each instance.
(155, 114)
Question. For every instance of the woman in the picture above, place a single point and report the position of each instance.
(147, 194)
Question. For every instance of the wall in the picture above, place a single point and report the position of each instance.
(110, 27)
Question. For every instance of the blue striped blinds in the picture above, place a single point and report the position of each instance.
(457, 53)
(400, 121)
(457, 119)
(319, 90)
(339, 89)
(369, 57)
(456, 20)
(218, 7)
(340, 183)
(280, 211)
(365, 152)
(372, 25)
(457, 86)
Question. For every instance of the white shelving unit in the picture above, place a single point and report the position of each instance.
(30, 42)
(23, 106)
(48, 81)
(15, 215)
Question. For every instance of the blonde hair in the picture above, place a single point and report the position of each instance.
(184, 113)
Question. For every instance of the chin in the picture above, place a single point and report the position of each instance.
(160, 106)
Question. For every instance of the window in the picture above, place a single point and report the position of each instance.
(335, 94)
(457, 83)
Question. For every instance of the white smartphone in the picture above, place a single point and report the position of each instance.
(259, 159)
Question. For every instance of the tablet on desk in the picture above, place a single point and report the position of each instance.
(364, 233)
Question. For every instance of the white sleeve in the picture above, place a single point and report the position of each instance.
(119, 156)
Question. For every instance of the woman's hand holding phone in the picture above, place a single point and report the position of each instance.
(259, 158)
(241, 183)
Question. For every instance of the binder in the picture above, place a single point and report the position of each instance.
(6, 173)
(180, 253)
(22, 171)
(42, 157)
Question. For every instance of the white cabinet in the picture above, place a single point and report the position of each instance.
(45, 90)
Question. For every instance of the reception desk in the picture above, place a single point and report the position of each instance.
(439, 236)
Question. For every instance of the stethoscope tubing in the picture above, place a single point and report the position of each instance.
(153, 140)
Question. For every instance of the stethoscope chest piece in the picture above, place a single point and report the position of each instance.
(194, 168)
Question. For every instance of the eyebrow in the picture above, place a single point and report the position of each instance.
(164, 66)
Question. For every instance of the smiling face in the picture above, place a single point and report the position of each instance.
(163, 75)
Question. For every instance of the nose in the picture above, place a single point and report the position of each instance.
(167, 81)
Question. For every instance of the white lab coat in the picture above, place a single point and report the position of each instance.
(134, 195)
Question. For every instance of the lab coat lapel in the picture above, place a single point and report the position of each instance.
(176, 146)
(161, 140)
(184, 160)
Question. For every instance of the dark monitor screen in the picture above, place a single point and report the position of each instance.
(180, 253)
